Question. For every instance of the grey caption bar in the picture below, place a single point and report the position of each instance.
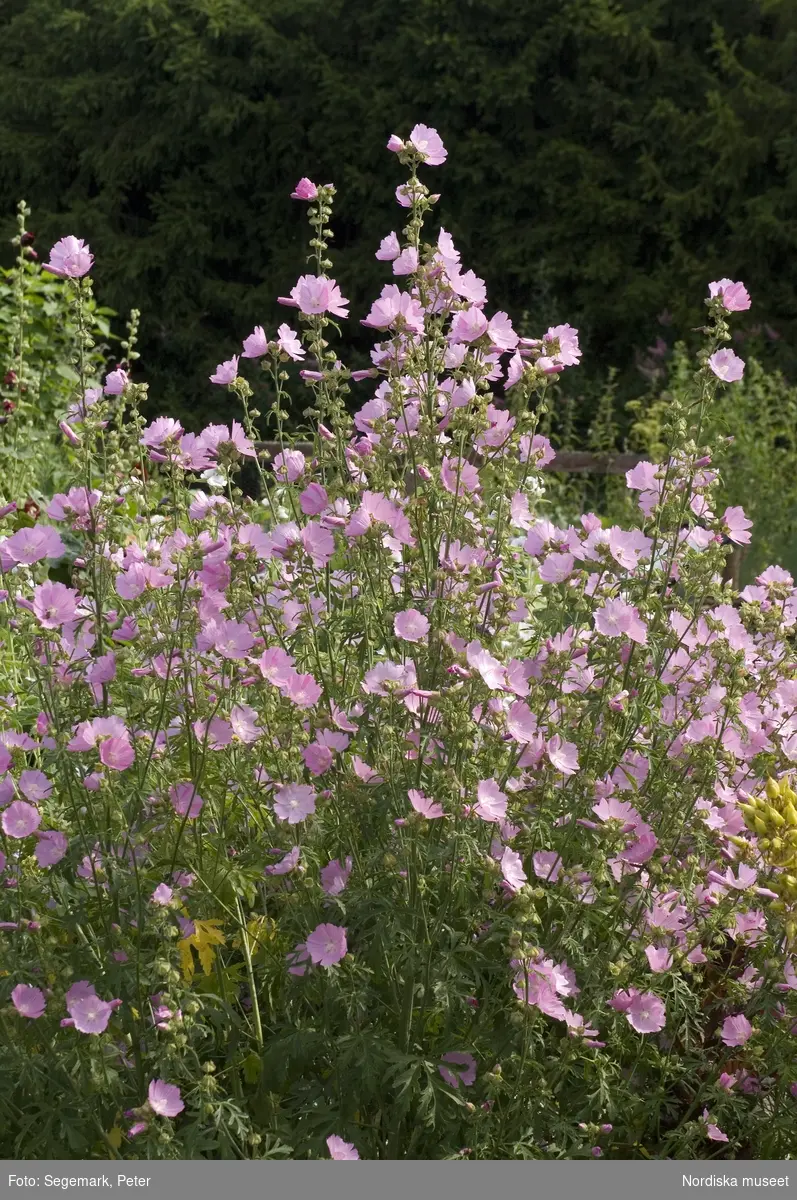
(293, 1180)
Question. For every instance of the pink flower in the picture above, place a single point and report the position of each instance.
(646, 1013)
(563, 755)
(185, 800)
(395, 308)
(55, 604)
(20, 820)
(340, 1150)
(659, 958)
(389, 248)
(560, 346)
(233, 639)
(315, 294)
(70, 258)
(407, 262)
(318, 542)
(616, 619)
(326, 945)
(736, 1030)
(557, 568)
(35, 786)
(288, 342)
(157, 433)
(28, 1001)
(726, 365)
(492, 801)
(305, 190)
(225, 372)
(713, 1132)
(115, 382)
(162, 895)
(411, 625)
(547, 865)
(424, 805)
(735, 297)
(313, 500)
(318, 758)
(164, 1098)
(395, 144)
(468, 325)
(429, 145)
(466, 1073)
(334, 877)
(29, 546)
(289, 465)
(89, 1013)
(51, 848)
(256, 345)
(217, 438)
(294, 802)
(512, 869)
(117, 753)
(735, 525)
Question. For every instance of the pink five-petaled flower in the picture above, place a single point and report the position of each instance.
(646, 1013)
(411, 625)
(115, 382)
(713, 1132)
(117, 753)
(616, 619)
(547, 865)
(54, 604)
(334, 876)
(736, 1030)
(288, 342)
(89, 1013)
(735, 525)
(256, 345)
(512, 869)
(424, 805)
(51, 848)
(28, 1001)
(395, 308)
(160, 431)
(429, 145)
(225, 372)
(294, 802)
(305, 190)
(70, 258)
(659, 958)
(314, 295)
(29, 546)
(185, 800)
(340, 1150)
(735, 296)
(164, 1098)
(491, 805)
(35, 785)
(726, 365)
(466, 1074)
(563, 756)
(20, 820)
(326, 945)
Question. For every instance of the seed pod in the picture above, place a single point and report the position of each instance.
(772, 789)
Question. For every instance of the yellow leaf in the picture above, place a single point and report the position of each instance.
(114, 1137)
(204, 939)
(186, 959)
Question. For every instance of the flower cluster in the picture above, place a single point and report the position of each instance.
(438, 820)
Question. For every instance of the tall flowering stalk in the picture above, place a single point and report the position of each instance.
(381, 816)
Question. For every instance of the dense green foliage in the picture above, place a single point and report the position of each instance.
(606, 157)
